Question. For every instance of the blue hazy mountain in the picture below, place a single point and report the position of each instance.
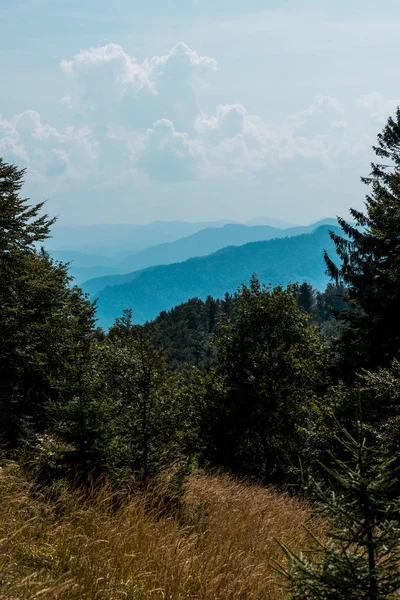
(271, 222)
(206, 242)
(277, 261)
(113, 240)
(85, 266)
(202, 243)
(82, 274)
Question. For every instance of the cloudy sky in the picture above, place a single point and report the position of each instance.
(129, 111)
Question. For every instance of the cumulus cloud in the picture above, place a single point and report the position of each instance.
(179, 64)
(143, 121)
(46, 151)
(108, 84)
(169, 155)
(111, 67)
(126, 72)
(238, 142)
(226, 123)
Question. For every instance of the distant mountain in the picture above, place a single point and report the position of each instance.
(278, 261)
(83, 260)
(116, 240)
(202, 243)
(113, 240)
(95, 285)
(82, 274)
(270, 222)
(85, 266)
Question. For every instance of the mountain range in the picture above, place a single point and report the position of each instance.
(201, 243)
(114, 240)
(209, 240)
(151, 290)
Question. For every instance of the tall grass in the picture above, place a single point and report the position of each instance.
(218, 546)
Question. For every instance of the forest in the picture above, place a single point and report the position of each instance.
(128, 454)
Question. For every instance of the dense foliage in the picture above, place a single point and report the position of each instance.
(270, 364)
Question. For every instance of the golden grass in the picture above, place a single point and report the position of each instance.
(220, 547)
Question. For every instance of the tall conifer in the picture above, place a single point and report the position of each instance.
(369, 257)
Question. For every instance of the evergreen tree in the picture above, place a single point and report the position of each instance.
(360, 556)
(84, 416)
(21, 225)
(305, 297)
(369, 254)
(135, 377)
(40, 314)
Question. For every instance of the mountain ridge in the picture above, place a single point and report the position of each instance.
(202, 243)
(276, 262)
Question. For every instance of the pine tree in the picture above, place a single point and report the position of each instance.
(83, 416)
(21, 225)
(369, 254)
(305, 298)
(136, 373)
(359, 558)
(39, 312)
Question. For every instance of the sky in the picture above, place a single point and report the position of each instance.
(196, 110)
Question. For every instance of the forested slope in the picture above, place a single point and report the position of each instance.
(279, 261)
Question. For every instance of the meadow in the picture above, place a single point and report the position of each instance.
(216, 542)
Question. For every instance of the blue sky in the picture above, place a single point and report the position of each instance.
(131, 111)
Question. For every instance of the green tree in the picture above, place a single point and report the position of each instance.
(184, 393)
(136, 374)
(338, 409)
(305, 297)
(369, 263)
(39, 312)
(269, 365)
(84, 416)
(360, 556)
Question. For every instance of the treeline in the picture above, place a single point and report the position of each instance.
(186, 332)
(262, 383)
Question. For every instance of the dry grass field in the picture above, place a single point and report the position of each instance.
(220, 545)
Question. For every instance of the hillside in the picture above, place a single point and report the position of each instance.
(99, 251)
(277, 261)
(220, 547)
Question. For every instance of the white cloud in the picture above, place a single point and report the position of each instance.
(236, 141)
(127, 71)
(169, 155)
(46, 151)
(227, 122)
(182, 61)
(106, 77)
(111, 66)
(144, 122)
